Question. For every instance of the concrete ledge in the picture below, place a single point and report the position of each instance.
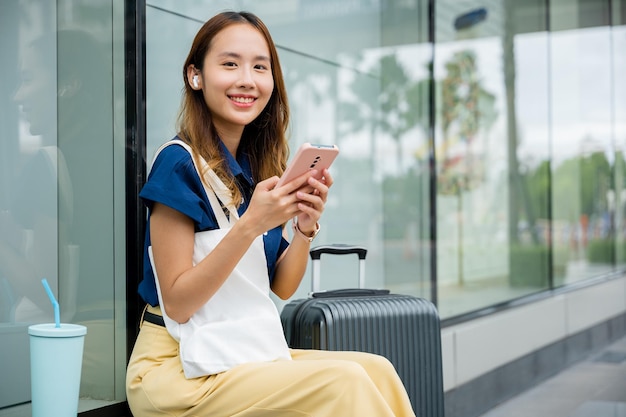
(482, 393)
(474, 348)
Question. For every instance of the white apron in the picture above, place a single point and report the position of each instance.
(239, 323)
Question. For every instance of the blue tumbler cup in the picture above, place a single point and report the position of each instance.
(56, 358)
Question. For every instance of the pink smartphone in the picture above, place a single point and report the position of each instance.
(309, 156)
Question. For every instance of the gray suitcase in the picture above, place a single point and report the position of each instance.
(404, 329)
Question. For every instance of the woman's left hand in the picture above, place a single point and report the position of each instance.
(312, 204)
(311, 199)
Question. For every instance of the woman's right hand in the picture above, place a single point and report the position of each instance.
(271, 206)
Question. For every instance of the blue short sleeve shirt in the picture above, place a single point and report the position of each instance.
(174, 182)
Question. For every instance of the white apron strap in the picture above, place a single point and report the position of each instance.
(214, 187)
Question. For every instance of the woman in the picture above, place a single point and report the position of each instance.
(223, 352)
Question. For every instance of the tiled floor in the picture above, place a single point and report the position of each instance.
(595, 387)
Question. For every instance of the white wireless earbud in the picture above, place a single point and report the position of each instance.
(195, 81)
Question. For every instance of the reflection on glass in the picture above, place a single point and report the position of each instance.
(28, 242)
(618, 58)
(85, 140)
(583, 192)
(492, 149)
(56, 212)
(29, 192)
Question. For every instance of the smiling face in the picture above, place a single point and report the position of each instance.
(236, 77)
(37, 92)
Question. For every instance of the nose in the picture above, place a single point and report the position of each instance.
(18, 96)
(246, 78)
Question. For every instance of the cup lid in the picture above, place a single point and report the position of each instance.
(49, 330)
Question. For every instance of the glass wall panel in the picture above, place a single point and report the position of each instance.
(60, 104)
(583, 155)
(528, 143)
(29, 229)
(405, 129)
(492, 149)
(357, 76)
(618, 59)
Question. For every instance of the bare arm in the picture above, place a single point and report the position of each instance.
(25, 274)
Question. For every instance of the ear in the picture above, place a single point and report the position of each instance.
(192, 73)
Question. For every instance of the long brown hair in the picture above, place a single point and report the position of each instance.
(264, 140)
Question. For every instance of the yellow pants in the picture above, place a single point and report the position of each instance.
(315, 383)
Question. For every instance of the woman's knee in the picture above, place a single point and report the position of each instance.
(352, 388)
(345, 375)
(376, 364)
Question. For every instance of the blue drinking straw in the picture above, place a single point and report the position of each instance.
(55, 304)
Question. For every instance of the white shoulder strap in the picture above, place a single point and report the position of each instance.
(213, 186)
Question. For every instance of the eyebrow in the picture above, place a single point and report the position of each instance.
(236, 55)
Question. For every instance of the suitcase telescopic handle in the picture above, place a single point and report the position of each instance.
(336, 249)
